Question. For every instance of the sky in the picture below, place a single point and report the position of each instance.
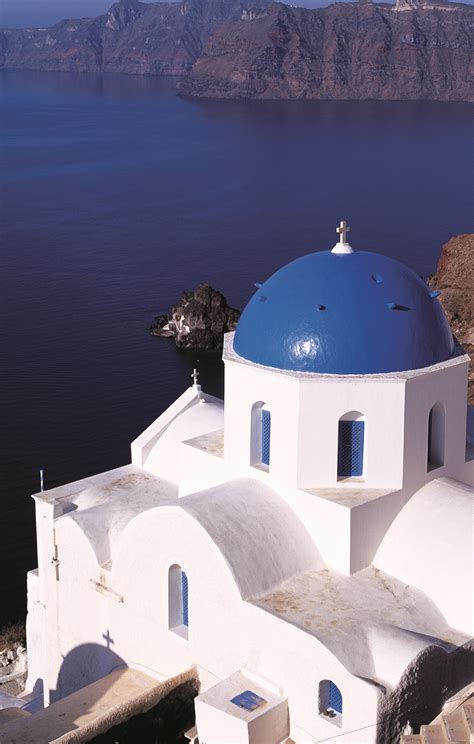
(20, 13)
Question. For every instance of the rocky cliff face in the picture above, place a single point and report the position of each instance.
(345, 51)
(454, 279)
(249, 49)
(133, 37)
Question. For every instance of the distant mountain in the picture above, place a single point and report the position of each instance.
(133, 37)
(417, 49)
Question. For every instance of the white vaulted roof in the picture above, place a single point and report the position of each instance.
(260, 537)
(430, 546)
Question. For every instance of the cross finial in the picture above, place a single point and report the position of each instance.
(343, 246)
(342, 230)
(195, 376)
(107, 638)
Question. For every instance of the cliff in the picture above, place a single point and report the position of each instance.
(417, 49)
(454, 279)
(345, 51)
(133, 37)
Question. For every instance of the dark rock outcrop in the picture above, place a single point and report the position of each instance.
(344, 51)
(199, 321)
(454, 279)
(416, 49)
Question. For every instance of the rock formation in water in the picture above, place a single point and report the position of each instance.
(416, 49)
(199, 321)
(454, 279)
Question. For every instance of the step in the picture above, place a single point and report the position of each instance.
(468, 709)
(433, 734)
(410, 739)
(192, 735)
(456, 727)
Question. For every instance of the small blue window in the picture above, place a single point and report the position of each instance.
(266, 435)
(248, 700)
(330, 701)
(335, 698)
(184, 594)
(350, 460)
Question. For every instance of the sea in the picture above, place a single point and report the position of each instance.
(117, 195)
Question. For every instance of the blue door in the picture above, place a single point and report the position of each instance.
(350, 461)
(266, 433)
(184, 595)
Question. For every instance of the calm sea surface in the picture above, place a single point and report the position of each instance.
(117, 195)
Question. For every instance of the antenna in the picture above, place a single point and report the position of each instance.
(41, 480)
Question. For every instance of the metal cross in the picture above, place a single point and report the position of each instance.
(342, 230)
(109, 641)
(195, 376)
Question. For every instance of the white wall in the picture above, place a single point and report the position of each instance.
(323, 402)
(225, 633)
(305, 424)
(446, 384)
(245, 385)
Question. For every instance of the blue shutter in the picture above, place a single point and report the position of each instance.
(184, 595)
(350, 459)
(266, 433)
(335, 698)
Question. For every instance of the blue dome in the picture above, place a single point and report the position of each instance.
(359, 313)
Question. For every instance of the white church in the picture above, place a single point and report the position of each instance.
(304, 544)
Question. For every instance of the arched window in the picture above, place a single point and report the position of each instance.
(436, 430)
(330, 701)
(350, 454)
(260, 438)
(178, 613)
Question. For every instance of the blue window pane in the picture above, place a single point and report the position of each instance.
(266, 434)
(184, 594)
(335, 697)
(351, 448)
(248, 700)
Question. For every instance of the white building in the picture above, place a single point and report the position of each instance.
(307, 542)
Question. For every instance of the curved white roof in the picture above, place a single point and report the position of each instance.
(373, 623)
(429, 545)
(260, 537)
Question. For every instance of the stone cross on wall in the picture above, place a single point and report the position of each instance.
(195, 376)
(342, 230)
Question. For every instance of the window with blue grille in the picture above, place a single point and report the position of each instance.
(330, 700)
(178, 613)
(350, 461)
(184, 597)
(266, 436)
(335, 698)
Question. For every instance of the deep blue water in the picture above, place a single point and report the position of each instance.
(117, 195)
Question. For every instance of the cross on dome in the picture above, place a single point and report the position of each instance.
(343, 246)
(343, 229)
